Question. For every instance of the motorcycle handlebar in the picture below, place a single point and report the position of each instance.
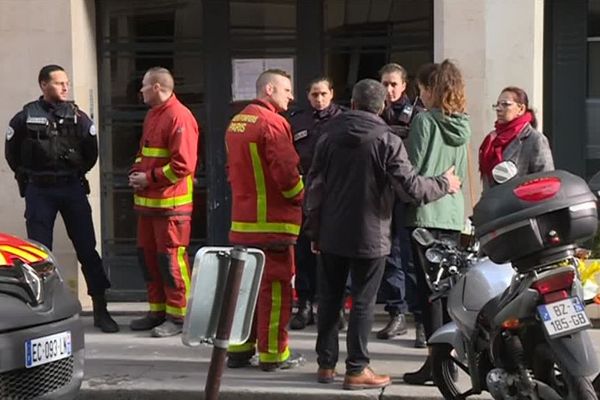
(452, 262)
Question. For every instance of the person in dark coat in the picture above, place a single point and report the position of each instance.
(307, 125)
(358, 168)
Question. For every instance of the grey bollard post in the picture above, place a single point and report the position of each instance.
(232, 287)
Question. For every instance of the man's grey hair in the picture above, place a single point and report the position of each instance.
(369, 95)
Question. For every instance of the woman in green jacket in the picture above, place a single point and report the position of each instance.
(438, 140)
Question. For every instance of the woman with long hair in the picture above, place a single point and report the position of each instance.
(438, 140)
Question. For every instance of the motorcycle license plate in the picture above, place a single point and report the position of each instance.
(564, 317)
(47, 349)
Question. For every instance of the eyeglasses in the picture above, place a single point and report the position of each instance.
(503, 104)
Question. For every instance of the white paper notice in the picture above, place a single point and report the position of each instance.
(246, 70)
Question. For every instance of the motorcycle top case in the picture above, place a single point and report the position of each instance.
(535, 218)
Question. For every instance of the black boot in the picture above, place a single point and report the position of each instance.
(396, 326)
(147, 322)
(293, 361)
(420, 377)
(102, 318)
(304, 316)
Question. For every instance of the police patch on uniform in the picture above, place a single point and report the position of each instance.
(10, 132)
(93, 130)
(300, 135)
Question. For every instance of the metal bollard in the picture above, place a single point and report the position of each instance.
(232, 287)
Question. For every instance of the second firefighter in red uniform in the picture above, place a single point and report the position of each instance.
(267, 195)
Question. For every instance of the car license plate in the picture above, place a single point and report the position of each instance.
(564, 317)
(47, 349)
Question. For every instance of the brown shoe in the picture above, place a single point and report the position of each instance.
(325, 375)
(367, 379)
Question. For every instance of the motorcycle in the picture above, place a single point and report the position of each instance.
(519, 327)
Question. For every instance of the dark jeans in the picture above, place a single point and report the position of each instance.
(41, 206)
(399, 284)
(365, 276)
(434, 314)
(305, 282)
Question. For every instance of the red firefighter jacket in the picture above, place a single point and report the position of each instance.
(266, 186)
(168, 154)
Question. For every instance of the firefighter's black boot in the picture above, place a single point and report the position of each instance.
(102, 318)
(147, 322)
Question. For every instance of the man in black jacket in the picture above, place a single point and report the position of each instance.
(358, 168)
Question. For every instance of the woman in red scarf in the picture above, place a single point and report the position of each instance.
(515, 138)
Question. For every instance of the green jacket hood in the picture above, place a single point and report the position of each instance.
(455, 128)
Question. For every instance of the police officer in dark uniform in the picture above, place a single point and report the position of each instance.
(399, 283)
(50, 145)
(307, 127)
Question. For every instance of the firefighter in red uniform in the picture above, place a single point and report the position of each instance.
(162, 177)
(267, 195)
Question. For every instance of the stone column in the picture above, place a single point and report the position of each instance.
(496, 43)
(64, 34)
(84, 78)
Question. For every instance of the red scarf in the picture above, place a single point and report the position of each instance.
(490, 152)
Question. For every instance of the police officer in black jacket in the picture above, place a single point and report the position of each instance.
(398, 285)
(307, 125)
(50, 145)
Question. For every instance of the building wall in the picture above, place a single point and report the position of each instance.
(84, 89)
(496, 43)
(64, 34)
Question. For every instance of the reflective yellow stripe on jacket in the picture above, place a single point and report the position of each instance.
(261, 225)
(157, 152)
(169, 202)
(168, 171)
(288, 194)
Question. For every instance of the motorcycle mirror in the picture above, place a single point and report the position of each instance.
(423, 237)
(434, 256)
(504, 171)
